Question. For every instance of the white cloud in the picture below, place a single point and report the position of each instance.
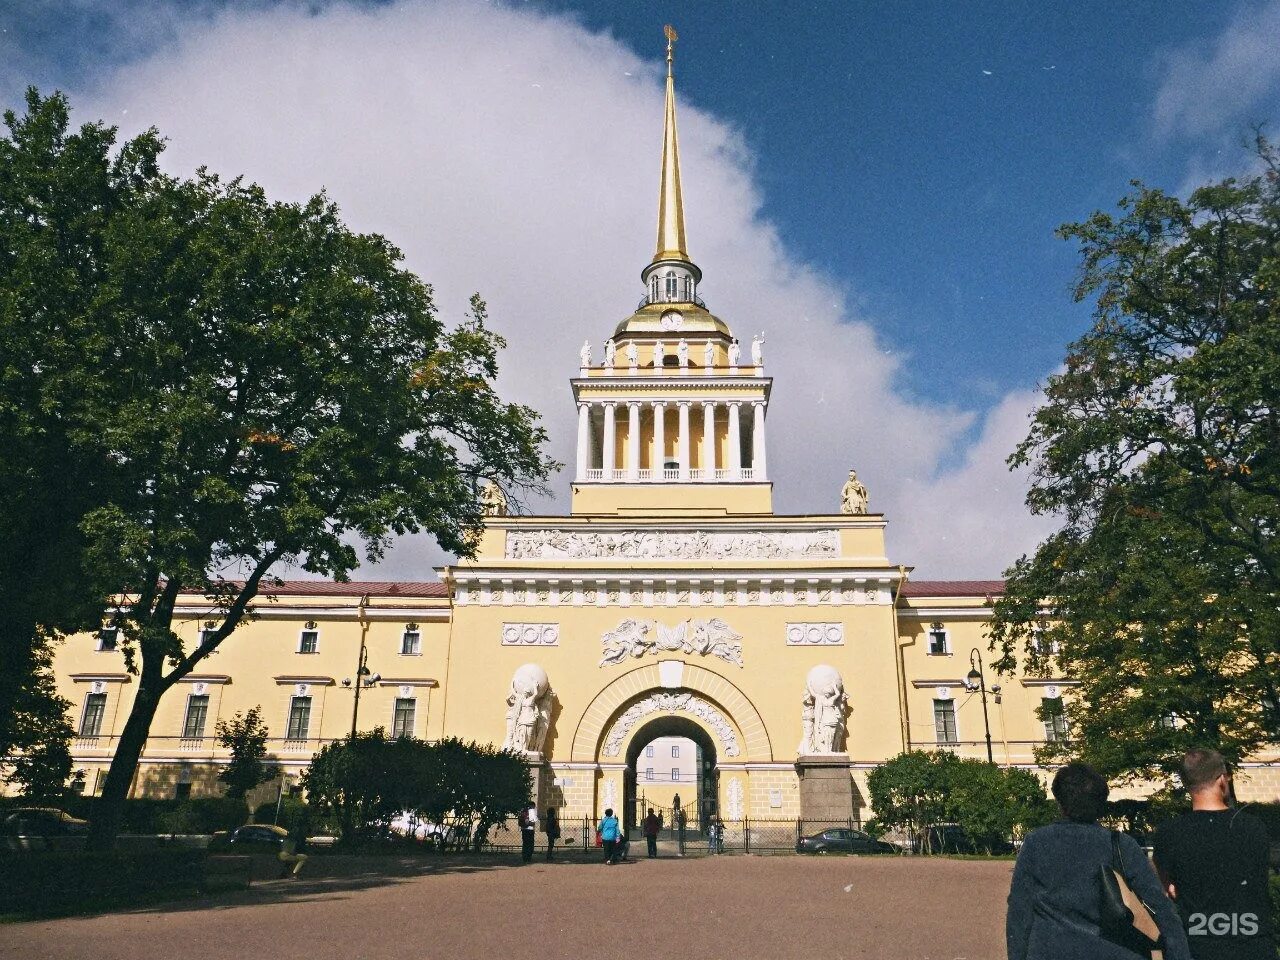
(1211, 86)
(516, 154)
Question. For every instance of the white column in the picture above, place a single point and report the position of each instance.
(584, 439)
(758, 468)
(659, 439)
(633, 440)
(609, 455)
(708, 441)
(735, 444)
(683, 441)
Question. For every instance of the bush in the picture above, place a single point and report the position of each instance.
(916, 790)
(204, 815)
(292, 811)
(52, 882)
(1275, 906)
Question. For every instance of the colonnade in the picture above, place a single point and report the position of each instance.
(734, 469)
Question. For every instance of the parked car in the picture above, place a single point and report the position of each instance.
(31, 828)
(251, 838)
(843, 840)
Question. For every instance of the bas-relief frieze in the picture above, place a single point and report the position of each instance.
(706, 638)
(672, 703)
(650, 545)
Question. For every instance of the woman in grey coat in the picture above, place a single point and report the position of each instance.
(1056, 896)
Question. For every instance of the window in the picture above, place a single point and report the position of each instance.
(1055, 719)
(939, 643)
(182, 791)
(1040, 645)
(411, 642)
(944, 721)
(675, 773)
(648, 751)
(197, 712)
(671, 286)
(207, 631)
(95, 706)
(299, 718)
(108, 637)
(648, 773)
(402, 722)
(309, 640)
(675, 750)
(1169, 721)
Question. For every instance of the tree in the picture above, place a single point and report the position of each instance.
(245, 735)
(917, 790)
(262, 386)
(61, 194)
(1158, 447)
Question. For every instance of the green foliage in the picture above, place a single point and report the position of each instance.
(365, 781)
(290, 813)
(1158, 447)
(917, 790)
(245, 735)
(195, 379)
(53, 882)
(203, 815)
(61, 194)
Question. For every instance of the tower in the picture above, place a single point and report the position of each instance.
(672, 417)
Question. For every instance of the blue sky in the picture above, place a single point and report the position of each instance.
(877, 184)
(921, 152)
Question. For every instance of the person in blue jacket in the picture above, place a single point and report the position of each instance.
(1056, 896)
(610, 830)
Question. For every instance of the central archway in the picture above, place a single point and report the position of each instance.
(703, 801)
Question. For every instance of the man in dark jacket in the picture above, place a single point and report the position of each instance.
(651, 827)
(1214, 864)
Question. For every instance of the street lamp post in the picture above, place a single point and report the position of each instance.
(977, 681)
(363, 677)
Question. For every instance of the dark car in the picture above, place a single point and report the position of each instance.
(843, 840)
(41, 828)
(251, 838)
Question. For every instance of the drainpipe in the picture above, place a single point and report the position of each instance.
(899, 665)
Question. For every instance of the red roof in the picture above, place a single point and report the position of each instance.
(953, 588)
(356, 588)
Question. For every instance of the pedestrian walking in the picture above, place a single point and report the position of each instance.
(528, 832)
(609, 830)
(651, 827)
(552, 828)
(1057, 897)
(1214, 863)
(680, 827)
(291, 851)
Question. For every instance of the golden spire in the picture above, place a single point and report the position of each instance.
(670, 205)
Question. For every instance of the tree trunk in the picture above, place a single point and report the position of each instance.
(104, 823)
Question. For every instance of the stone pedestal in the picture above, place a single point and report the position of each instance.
(826, 790)
(537, 770)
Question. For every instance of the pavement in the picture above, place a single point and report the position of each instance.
(730, 907)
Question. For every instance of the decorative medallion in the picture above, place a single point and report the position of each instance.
(531, 634)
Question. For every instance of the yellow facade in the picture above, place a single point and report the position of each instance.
(671, 601)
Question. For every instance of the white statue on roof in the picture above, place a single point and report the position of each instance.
(584, 355)
(853, 495)
(610, 353)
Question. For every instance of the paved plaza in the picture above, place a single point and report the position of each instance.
(736, 908)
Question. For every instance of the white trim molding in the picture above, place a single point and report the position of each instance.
(531, 634)
(815, 634)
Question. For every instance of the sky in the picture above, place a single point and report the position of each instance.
(875, 186)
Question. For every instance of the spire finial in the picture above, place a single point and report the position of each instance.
(670, 204)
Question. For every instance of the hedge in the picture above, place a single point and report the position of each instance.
(56, 882)
(147, 816)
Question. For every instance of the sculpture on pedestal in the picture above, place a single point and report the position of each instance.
(853, 495)
(528, 710)
(492, 500)
(682, 351)
(735, 352)
(610, 353)
(659, 355)
(709, 354)
(757, 350)
(823, 713)
(584, 355)
(633, 355)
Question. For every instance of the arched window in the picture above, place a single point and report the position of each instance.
(671, 285)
